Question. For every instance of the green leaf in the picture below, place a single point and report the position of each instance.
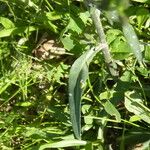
(30, 4)
(47, 20)
(16, 30)
(132, 39)
(121, 50)
(24, 104)
(64, 143)
(134, 104)
(142, 15)
(75, 93)
(112, 34)
(141, 1)
(6, 23)
(143, 71)
(134, 118)
(77, 78)
(111, 110)
(86, 110)
(84, 16)
(147, 53)
(67, 42)
(5, 83)
(75, 24)
(53, 15)
(32, 131)
(51, 26)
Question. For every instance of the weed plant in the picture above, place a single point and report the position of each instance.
(74, 74)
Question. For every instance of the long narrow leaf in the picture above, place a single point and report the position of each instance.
(77, 79)
(64, 143)
(132, 39)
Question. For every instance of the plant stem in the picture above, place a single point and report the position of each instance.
(95, 14)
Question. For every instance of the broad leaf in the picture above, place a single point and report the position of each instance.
(121, 50)
(84, 16)
(142, 16)
(75, 24)
(67, 42)
(6, 23)
(134, 104)
(112, 34)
